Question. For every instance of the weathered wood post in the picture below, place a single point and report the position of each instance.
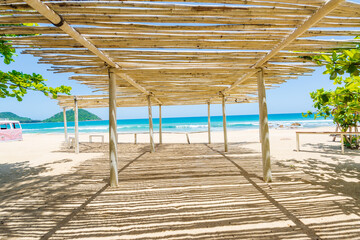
(209, 125)
(113, 130)
(265, 142)
(260, 96)
(76, 119)
(160, 125)
(297, 142)
(151, 131)
(65, 126)
(224, 123)
(260, 119)
(342, 143)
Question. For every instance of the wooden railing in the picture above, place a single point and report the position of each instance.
(342, 134)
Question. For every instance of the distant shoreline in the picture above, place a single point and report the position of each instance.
(156, 132)
(185, 124)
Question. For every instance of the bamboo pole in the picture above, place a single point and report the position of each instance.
(224, 124)
(187, 138)
(76, 119)
(151, 131)
(356, 130)
(342, 144)
(336, 129)
(297, 142)
(160, 125)
(113, 130)
(209, 124)
(65, 126)
(265, 142)
(260, 96)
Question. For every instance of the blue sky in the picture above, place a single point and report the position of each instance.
(290, 97)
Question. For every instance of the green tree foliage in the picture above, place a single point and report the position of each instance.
(70, 116)
(16, 84)
(343, 103)
(13, 116)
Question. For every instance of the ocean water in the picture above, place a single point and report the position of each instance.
(185, 124)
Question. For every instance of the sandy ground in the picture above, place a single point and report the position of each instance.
(182, 191)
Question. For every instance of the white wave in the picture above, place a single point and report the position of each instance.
(191, 126)
(255, 123)
(93, 128)
(132, 126)
(52, 128)
(303, 121)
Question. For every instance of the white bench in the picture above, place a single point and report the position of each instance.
(96, 136)
(186, 134)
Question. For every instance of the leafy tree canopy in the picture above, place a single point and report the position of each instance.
(343, 103)
(16, 84)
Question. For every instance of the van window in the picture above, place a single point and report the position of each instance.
(3, 126)
(16, 126)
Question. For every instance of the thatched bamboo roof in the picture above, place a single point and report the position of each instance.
(178, 52)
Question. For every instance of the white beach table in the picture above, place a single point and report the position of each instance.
(91, 137)
(332, 133)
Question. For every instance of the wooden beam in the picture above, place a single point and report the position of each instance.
(58, 21)
(113, 130)
(209, 124)
(224, 124)
(151, 131)
(76, 119)
(160, 125)
(65, 127)
(265, 142)
(311, 21)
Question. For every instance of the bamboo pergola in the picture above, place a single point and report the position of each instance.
(178, 52)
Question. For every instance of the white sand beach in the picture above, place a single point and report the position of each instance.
(182, 190)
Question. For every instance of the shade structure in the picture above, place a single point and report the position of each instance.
(180, 53)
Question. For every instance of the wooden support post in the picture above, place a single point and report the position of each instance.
(135, 138)
(356, 130)
(76, 115)
(151, 131)
(260, 118)
(224, 123)
(113, 130)
(336, 129)
(187, 138)
(297, 142)
(265, 142)
(160, 125)
(209, 124)
(260, 96)
(342, 143)
(65, 127)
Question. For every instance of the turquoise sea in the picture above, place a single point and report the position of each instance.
(184, 124)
